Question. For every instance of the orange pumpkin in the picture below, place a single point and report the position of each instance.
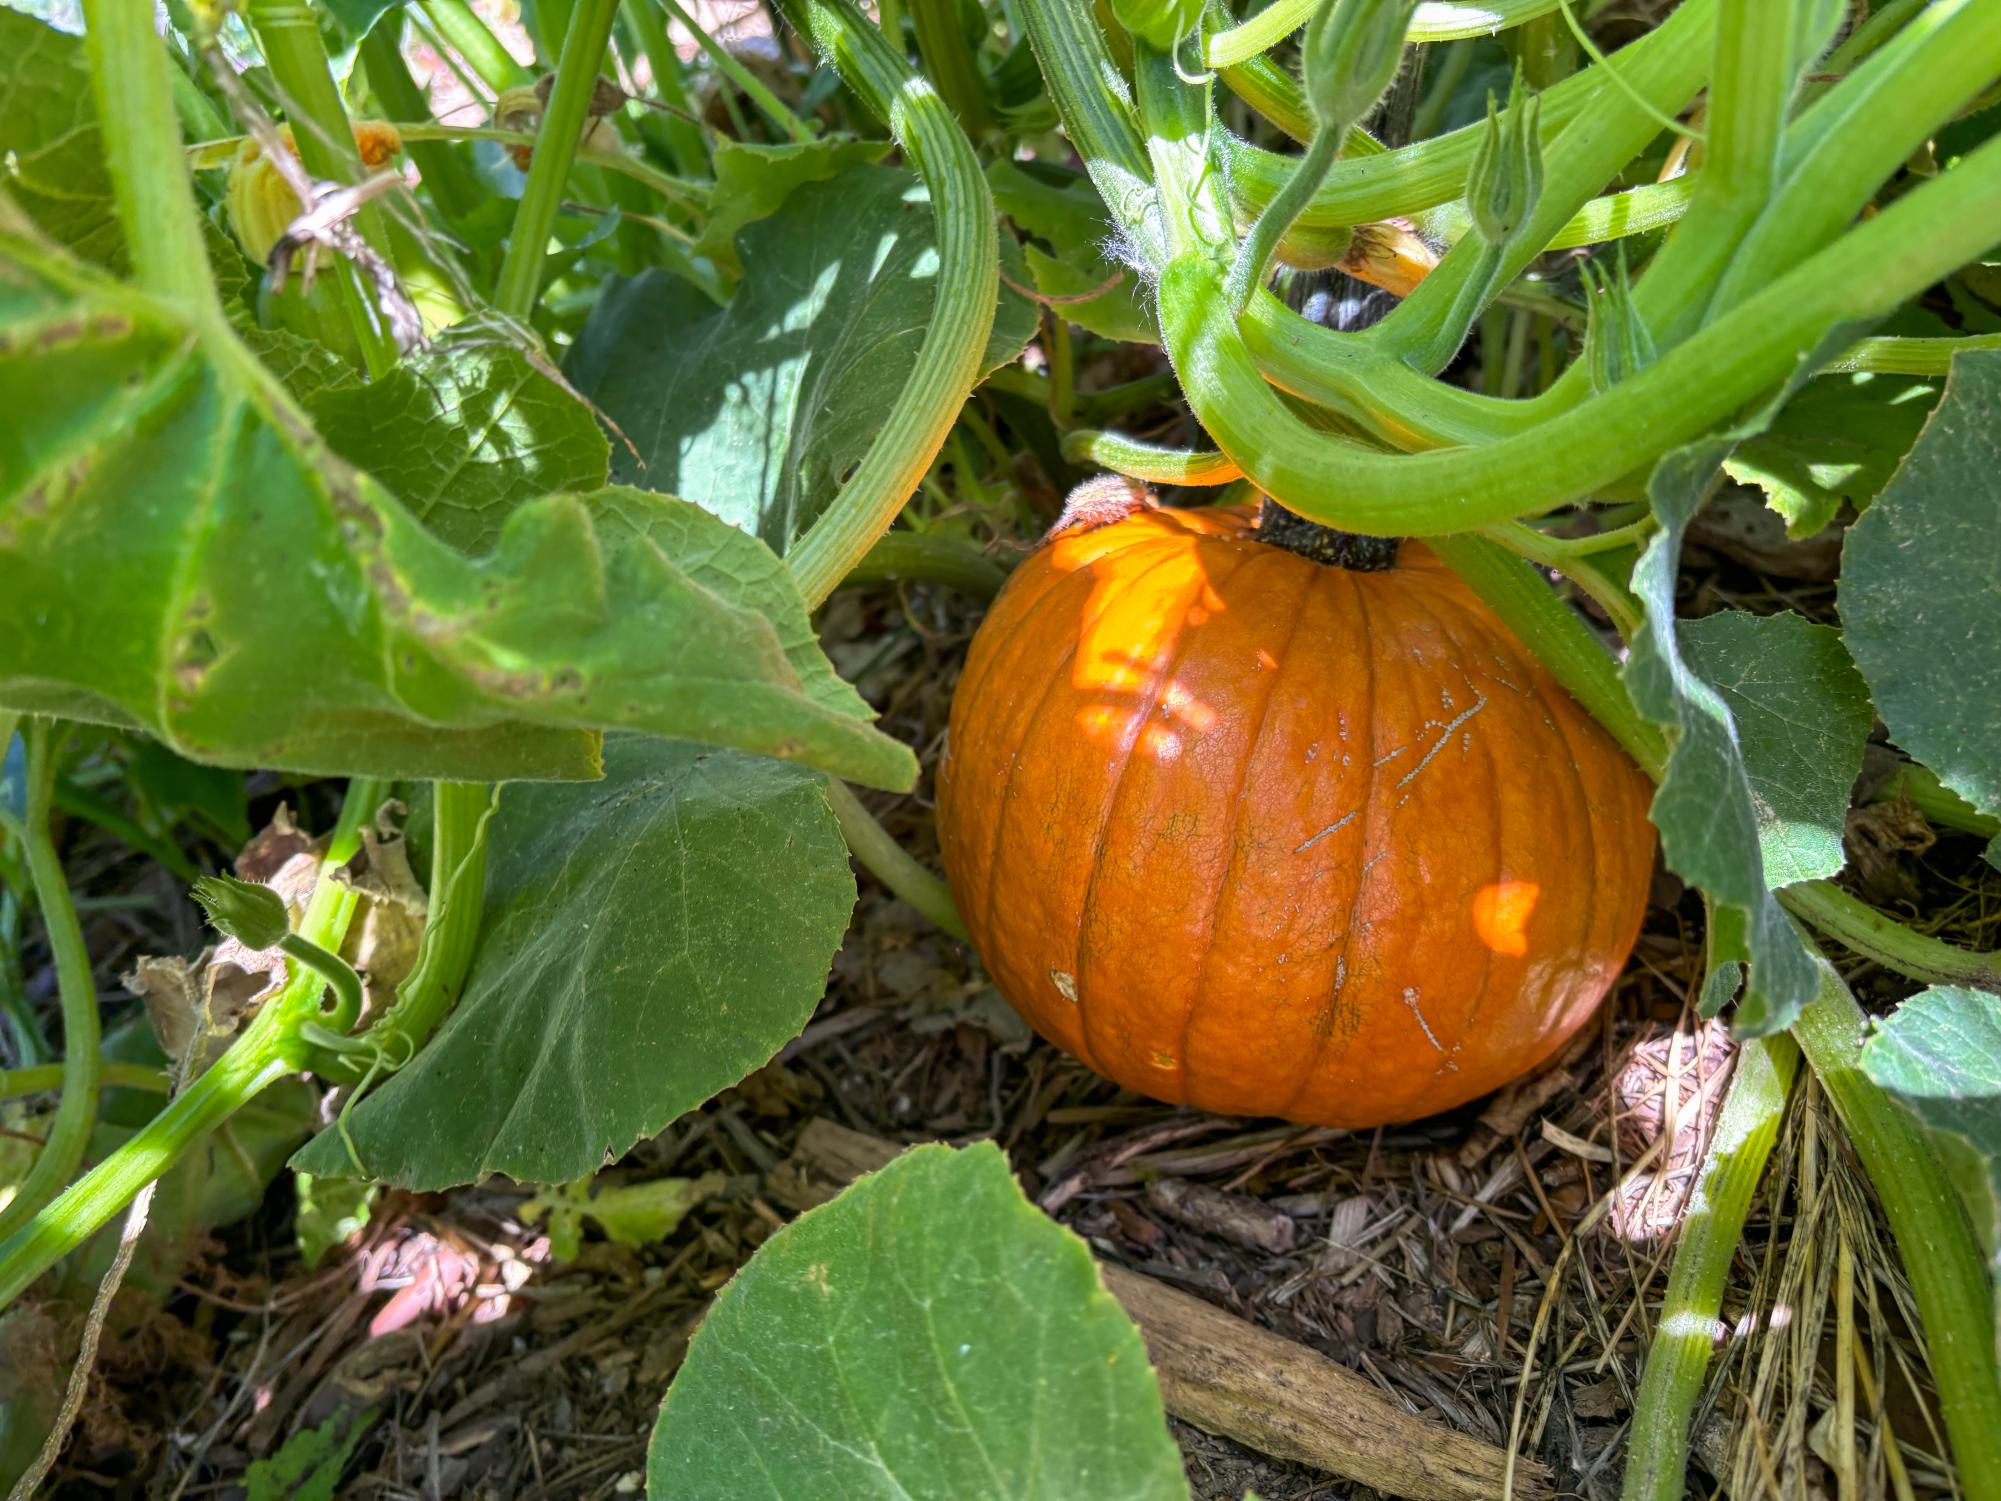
(1271, 837)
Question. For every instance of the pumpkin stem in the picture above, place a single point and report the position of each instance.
(1103, 500)
(1323, 544)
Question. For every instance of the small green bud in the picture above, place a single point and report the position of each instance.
(1162, 23)
(1506, 180)
(1350, 55)
(1617, 344)
(253, 915)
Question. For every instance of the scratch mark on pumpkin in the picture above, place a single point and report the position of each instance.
(1449, 729)
(1339, 823)
(1410, 1000)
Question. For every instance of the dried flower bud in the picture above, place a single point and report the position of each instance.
(1350, 54)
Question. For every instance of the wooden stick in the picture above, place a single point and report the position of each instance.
(1227, 1376)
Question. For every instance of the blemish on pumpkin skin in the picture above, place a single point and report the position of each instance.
(1410, 998)
(1501, 913)
(1066, 985)
(1339, 823)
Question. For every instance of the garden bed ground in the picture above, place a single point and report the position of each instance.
(1479, 1267)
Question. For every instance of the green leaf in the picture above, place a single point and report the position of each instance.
(1802, 715)
(357, 16)
(760, 410)
(647, 941)
(1920, 576)
(1062, 209)
(51, 161)
(1939, 1055)
(306, 369)
(309, 1464)
(464, 433)
(331, 1212)
(1839, 439)
(185, 556)
(1705, 807)
(928, 1333)
(630, 1214)
(753, 182)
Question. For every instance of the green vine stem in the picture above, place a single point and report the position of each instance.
(142, 148)
(1711, 1228)
(1148, 461)
(1432, 23)
(1945, 1264)
(949, 62)
(1856, 925)
(520, 283)
(886, 860)
(460, 815)
(41, 1078)
(1671, 59)
(460, 25)
(268, 1049)
(967, 292)
(1829, 174)
(928, 558)
(76, 1112)
(1893, 355)
(1702, 381)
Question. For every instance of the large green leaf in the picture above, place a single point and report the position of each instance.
(753, 181)
(647, 941)
(927, 1334)
(184, 555)
(1838, 440)
(1920, 590)
(1802, 715)
(464, 432)
(1940, 1055)
(1705, 807)
(50, 158)
(759, 411)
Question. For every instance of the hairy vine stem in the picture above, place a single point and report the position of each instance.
(76, 1112)
(967, 292)
(926, 557)
(563, 122)
(879, 853)
(1711, 1227)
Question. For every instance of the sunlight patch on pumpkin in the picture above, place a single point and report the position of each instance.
(1501, 914)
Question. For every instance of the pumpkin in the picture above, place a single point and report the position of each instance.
(1270, 837)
